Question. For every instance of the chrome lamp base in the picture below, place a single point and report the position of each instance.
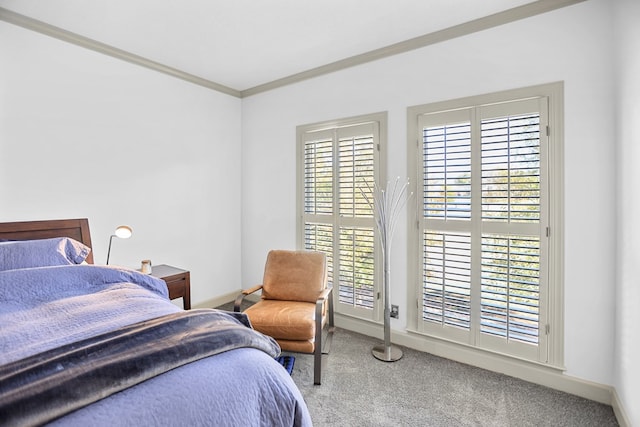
(386, 353)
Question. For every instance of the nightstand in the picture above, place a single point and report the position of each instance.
(177, 280)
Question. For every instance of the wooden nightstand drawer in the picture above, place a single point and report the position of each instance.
(178, 282)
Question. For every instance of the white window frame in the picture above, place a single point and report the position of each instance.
(552, 320)
(379, 122)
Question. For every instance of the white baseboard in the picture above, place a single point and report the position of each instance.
(618, 409)
(218, 301)
(253, 297)
(537, 374)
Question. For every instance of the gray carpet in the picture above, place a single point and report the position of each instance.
(425, 390)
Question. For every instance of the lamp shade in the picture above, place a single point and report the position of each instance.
(123, 232)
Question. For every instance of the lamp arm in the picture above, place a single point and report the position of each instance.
(109, 251)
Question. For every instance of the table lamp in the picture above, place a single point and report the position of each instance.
(123, 232)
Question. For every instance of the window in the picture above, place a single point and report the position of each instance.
(338, 166)
(487, 172)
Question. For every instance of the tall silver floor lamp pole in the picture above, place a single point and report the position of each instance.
(387, 204)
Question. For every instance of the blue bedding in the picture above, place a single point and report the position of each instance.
(47, 307)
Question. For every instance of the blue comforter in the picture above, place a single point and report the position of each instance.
(44, 308)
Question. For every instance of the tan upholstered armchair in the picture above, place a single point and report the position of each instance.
(296, 303)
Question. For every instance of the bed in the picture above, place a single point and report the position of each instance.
(82, 344)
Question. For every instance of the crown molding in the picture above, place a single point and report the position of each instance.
(466, 28)
(68, 36)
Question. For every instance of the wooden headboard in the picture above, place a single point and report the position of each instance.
(77, 229)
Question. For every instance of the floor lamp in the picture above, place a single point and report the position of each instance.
(387, 204)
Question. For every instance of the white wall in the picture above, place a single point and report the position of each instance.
(86, 135)
(627, 344)
(572, 45)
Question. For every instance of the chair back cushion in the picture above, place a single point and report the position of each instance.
(294, 275)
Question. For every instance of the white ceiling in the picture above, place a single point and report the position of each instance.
(245, 43)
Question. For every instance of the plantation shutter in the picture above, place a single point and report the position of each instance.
(514, 218)
(446, 232)
(339, 165)
(318, 195)
(484, 202)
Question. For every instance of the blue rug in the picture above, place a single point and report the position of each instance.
(287, 362)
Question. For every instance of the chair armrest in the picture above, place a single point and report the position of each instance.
(324, 294)
(252, 290)
(239, 298)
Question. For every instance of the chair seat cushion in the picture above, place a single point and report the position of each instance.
(286, 320)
